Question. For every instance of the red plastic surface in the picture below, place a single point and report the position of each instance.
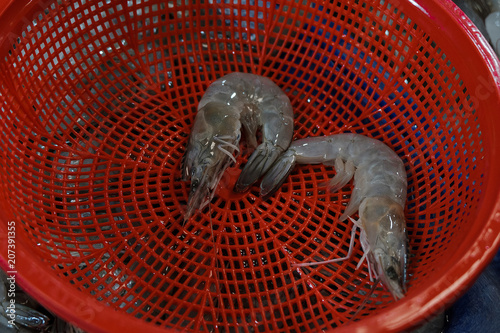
(98, 99)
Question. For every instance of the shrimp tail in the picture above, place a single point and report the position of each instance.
(259, 162)
(277, 175)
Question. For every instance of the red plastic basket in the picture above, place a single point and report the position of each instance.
(98, 98)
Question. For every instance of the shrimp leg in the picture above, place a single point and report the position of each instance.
(348, 256)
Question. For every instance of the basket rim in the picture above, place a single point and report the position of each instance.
(464, 267)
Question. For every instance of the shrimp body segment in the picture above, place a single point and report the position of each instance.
(379, 194)
(234, 103)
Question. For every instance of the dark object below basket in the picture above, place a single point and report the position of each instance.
(478, 310)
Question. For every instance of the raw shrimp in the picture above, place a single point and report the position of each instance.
(234, 101)
(14, 316)
(379, 194)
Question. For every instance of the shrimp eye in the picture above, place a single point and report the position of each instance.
(194, 184)
(391, 273)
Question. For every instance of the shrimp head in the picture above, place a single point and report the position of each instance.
(212, 143)
(384, 225)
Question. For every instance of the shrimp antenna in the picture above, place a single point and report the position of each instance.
(216, 260)
(362, 306)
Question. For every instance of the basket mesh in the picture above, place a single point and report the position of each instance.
(97, 102)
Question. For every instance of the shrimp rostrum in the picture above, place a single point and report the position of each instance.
(235, 102)
(379, 194)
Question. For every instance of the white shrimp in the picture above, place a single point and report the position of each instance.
(231, 102)
(379, 194)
